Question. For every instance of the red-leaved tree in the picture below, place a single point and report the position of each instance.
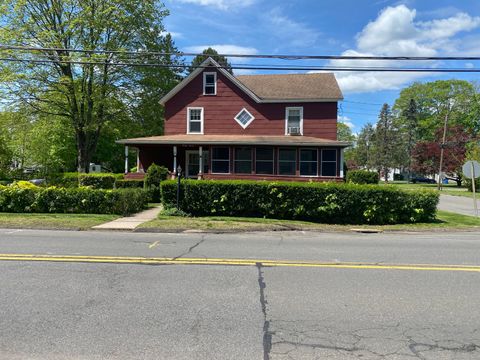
(426, 154)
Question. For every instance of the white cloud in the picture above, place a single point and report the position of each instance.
(229, 49)
(221, 4)
(224, 49)
(347, 121)
(396, 33)
(289, 32)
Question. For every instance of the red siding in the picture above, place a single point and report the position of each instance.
(320, 119)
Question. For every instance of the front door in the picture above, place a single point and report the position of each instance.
(192, 165)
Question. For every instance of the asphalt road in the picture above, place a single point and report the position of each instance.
(458, 204)
(62, 310)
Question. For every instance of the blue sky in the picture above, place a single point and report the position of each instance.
(349, 27)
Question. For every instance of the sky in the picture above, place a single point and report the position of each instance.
(340, 27)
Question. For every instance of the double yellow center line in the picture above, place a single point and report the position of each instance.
(232, 262)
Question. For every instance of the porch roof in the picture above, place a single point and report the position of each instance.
(286, 140)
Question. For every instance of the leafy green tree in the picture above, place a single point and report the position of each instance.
(209, 52)
(364, 150)
(86, 93)
(433, 100)
(344, 133)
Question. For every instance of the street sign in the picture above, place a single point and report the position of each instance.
(469, 166)
(471, 169)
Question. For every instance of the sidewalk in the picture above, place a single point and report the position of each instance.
(457, 204)
(130, 222)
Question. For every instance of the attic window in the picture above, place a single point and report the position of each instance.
(244, 118)
(209, 83)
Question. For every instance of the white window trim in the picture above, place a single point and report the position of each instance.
(205, 82)
(249, 122)
(201, 120)
(287, 109)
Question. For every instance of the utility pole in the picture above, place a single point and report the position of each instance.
(442, 146)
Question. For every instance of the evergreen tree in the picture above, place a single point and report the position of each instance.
(209, 52)
(384, 141)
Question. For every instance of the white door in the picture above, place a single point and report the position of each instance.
(192, 166)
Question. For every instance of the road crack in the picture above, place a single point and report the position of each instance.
(190, 249)
(267, 334)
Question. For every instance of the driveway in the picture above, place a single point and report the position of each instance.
(457, 204)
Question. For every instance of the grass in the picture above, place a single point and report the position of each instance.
(53, 221)
(445, 221)
(447, 189)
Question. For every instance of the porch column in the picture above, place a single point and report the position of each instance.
(341, 162)
(174, 161)
(138, 160)
(126, 159)
(200, 163)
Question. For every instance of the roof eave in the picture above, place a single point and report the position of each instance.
(343, 144)
(198, 71)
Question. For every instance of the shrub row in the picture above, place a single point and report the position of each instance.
(79, 200)
(468, 184)
(94, 180)
(362, 177)
(319, 202)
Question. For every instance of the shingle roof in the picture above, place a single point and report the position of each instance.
(190, 139)
(315, 86)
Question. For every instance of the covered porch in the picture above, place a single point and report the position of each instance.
(286, 158)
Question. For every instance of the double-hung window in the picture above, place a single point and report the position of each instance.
(287, 161)
(209, 83)
(329, 162)
(220, 160)
(243, 160)
(294, 121)
(194, 120)
(264, 160)
(308, 162)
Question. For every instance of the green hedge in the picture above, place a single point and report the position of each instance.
(362, 177)
(79, 200)
(75, 179)
(129, 183)
(319, 202)
(66, 180)
(468, 184)
(155, 175)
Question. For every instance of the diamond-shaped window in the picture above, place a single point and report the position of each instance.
(244, 118)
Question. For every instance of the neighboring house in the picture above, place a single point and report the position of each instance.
(272, 127)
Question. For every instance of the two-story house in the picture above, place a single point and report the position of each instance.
(272, 127)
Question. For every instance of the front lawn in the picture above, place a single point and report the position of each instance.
(53, 221)
(445, 221)
(447, 189)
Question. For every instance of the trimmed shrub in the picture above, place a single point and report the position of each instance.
(468, 184)
(80, 200)
(319, 202)
(155, 175)
(129, 183)
(99, 180)
(362, 177)
(66, 180)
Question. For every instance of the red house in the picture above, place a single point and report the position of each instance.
(264, 127)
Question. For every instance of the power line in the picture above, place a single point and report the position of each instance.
(255, 56)
(361, 102)
(249, 67)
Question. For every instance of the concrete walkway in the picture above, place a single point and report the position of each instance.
(457, 204)
(130, 222)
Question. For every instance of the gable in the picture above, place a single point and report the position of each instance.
(319, 87)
